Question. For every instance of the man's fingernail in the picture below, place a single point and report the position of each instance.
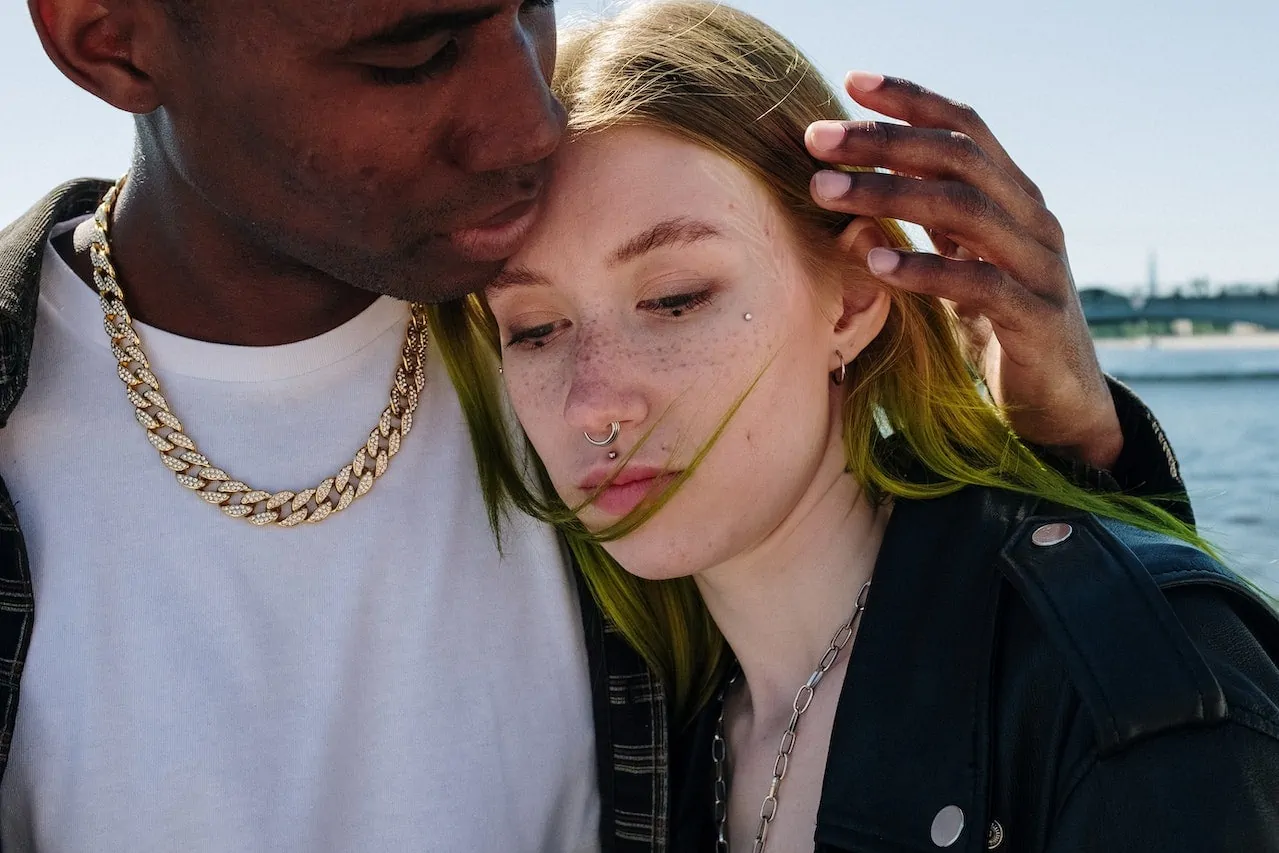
(826, 135)
(864, 81)
(882, 261)
(831, 185)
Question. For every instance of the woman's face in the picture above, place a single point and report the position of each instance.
(661, 281)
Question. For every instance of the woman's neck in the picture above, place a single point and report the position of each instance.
(780, 604)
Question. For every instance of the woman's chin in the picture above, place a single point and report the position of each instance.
(651, 558)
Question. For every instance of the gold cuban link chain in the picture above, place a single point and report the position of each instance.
(195, 472)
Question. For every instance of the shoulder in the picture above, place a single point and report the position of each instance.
(1153, 634)
(22, 241)
(74, 198)
(22, 245)
(1136, 692)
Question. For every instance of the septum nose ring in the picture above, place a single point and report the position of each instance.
(614, 430)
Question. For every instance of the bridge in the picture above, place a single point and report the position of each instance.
(1260, 307)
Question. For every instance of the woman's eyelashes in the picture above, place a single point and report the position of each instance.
(672, 305)
(678, 304)
(535, 337)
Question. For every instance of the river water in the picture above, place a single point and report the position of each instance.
(1226, 436)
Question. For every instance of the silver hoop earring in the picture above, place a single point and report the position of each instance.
(841, 374)
(614, 430)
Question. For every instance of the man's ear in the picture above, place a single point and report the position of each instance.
(866, 301)
(103, 46)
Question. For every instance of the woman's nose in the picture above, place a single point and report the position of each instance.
(604, 391)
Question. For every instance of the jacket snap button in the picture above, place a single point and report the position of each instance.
(1051, 534)
(994, 835)
(948, 826)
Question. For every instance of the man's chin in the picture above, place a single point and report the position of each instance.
(466, 279)
(436, 279)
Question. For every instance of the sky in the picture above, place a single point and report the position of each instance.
(1152, 128)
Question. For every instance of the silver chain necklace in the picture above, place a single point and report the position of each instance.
(804, 698)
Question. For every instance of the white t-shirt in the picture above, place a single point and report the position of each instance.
(381, 681)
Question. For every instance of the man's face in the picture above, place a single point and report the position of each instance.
(398, 145)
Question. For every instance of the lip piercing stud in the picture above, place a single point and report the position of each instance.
(614, 430)
(612, 454)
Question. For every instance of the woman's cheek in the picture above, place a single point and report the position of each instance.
(534, 406)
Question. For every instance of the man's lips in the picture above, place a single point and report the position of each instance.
(627, 490)
(499, 236)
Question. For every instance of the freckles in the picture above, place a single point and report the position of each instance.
(587, 357)
(533, 393)
(537, 389)
(674, 356)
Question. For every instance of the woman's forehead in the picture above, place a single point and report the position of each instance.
(629, 178)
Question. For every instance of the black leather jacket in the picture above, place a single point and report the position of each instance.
(1116, 691)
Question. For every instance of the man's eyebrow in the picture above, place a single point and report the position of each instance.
(516, 277)
(677, 231)
(416, 27)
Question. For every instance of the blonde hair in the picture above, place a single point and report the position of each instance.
(725, 81)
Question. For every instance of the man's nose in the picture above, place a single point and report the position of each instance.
(514, 119)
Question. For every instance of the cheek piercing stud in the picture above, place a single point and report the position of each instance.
(748, 317)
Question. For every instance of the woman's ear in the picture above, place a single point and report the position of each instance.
(862, 235)
(866, 300)
(102, 47)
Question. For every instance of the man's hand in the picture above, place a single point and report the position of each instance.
(1001, 255)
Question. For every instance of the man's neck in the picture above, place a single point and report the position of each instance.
(780, 604)
(184, 269)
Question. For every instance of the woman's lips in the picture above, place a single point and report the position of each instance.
(498, 238)
(620, 498)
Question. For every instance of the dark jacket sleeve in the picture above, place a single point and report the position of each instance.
(1146, 467)
(1209, 790)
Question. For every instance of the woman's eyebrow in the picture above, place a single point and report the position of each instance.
(678, 230)
(516, 277)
